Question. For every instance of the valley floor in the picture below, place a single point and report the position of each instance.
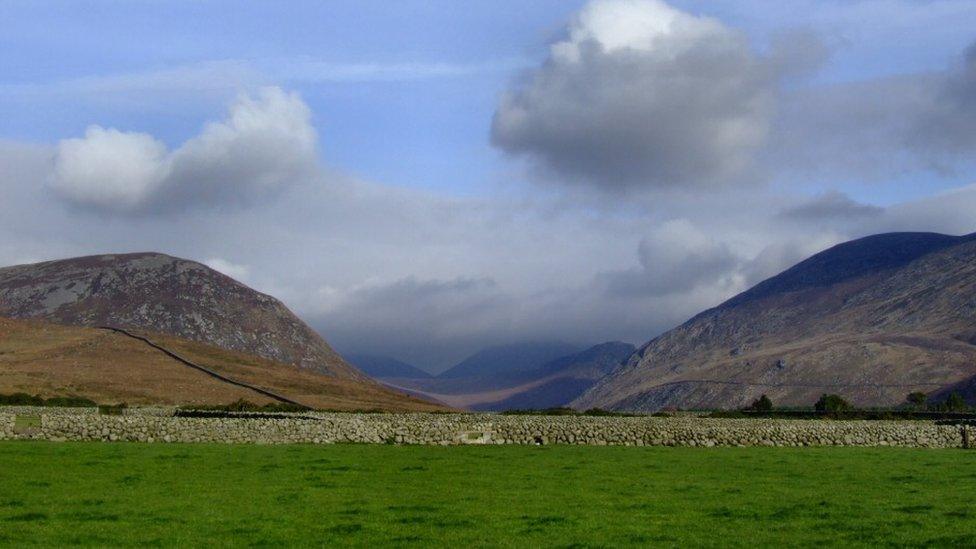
(55, 494)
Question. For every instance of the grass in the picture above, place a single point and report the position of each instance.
(55, 494)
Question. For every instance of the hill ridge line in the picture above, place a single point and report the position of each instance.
(200, 368)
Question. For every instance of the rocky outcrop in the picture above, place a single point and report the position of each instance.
(164, 294)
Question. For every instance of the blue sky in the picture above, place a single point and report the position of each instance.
(423, 124)
(417, 126)
(423, 178)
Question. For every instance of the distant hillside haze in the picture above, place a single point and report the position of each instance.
(384, 366)
(601, 359)
(169, 295)
(872, 319)
(516, 357)
(564, 378)
(539, 384)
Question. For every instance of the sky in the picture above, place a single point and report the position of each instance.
(422, 179)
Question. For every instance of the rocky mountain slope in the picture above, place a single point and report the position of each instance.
(168, 295)
(872, 319)
(53, 360)
(520, 384)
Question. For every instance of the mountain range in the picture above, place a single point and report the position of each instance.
(527, 375)
(872, 319)
(384, 366)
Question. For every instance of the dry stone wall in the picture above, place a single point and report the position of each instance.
(448, 429)
(48, 410)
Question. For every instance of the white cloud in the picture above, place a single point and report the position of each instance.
(194, 78)
(676, 257)
(649, 26)
(218, 78)
(317, 70)
(238, 272)
(641, 94)
(265, 144)
(110, 169)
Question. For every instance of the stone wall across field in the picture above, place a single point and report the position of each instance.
(446, 429)
(48, 410)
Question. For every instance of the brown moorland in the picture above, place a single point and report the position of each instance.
(55, 360)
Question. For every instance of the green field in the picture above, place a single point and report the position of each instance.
(555, 496)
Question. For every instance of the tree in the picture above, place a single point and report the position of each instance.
(955, 403)
(762, 404)
(917, 399)
(832, 404)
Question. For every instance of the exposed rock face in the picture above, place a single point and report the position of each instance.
(157, 292)
(872, 319)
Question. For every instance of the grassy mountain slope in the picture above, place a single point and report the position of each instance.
(55, 360)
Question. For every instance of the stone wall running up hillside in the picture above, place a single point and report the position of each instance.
(447, 429)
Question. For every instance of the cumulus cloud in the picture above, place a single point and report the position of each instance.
(642, 94)
(676, 258)
(110, 169)
(949, 212)
(829, 207)
(783, 253)
(427, 321)
(231, 269)
(265, 144)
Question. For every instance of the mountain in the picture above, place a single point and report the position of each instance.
(872, 319)
(547, 384)
(597, 361)
(53, 360)
(167, 295)
(516, 357)
(384, 366)
(564, 379)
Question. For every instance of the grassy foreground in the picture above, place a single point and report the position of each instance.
(114, 494)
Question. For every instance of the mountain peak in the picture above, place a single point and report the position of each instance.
(166, 294)
(849, 260)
